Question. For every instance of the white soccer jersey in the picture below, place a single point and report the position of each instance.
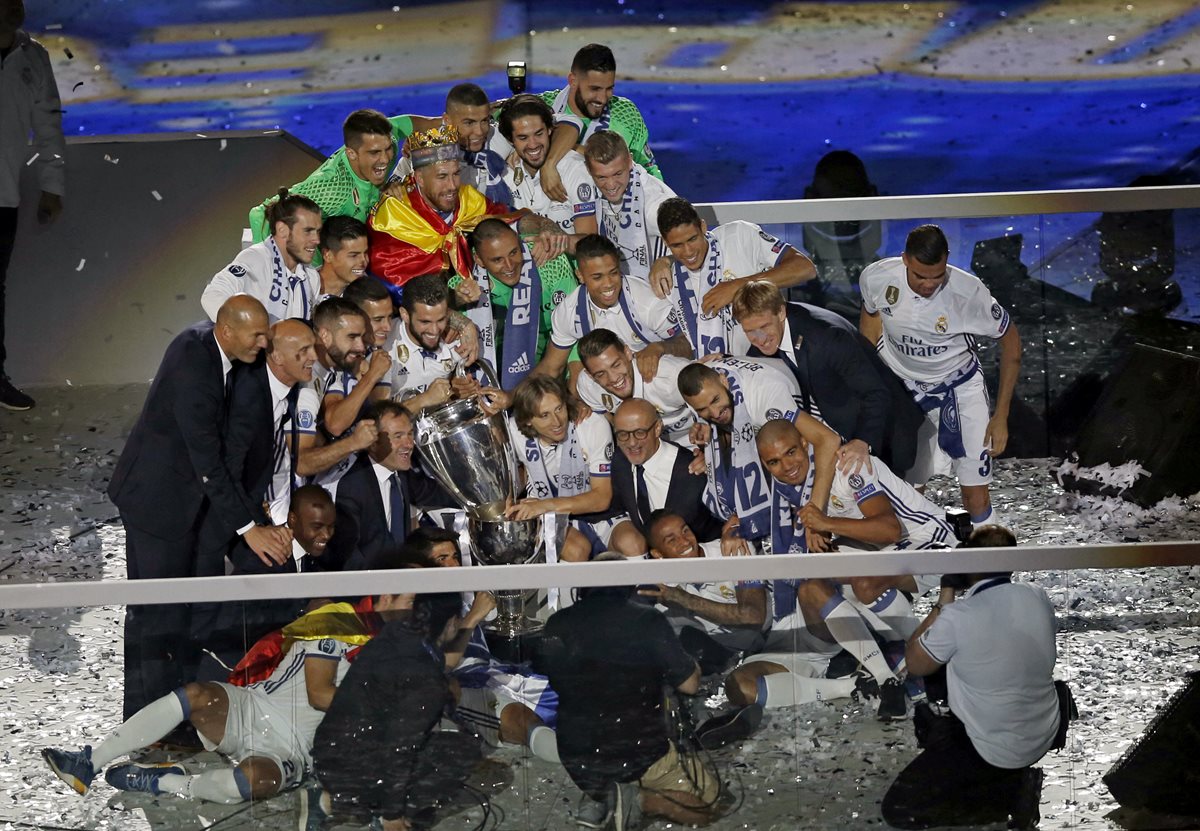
(414, 368)
(929, 339)
(581, 192)
(287, 691)
(924, 523)
(259, 272)
(636, 260)
(662, 392)
(770, 390)
(595, 442)
(746, 250)
(654, 317)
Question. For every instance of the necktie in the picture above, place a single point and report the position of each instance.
(787, 359)
(643, 498)
(399, 524)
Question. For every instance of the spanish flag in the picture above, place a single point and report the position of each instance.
(409, 238)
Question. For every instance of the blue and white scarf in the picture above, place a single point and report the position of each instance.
(522, 322)
(583, 319)
(787, 533)
(708, 334)
(572, 477)
(741, 488)
(283, 287)
(942, 397)
(627, 229)
(489, 178)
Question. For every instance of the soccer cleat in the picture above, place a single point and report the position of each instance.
(12, 398)
(627, 807)
(730, 727)
(893, 705)
(866, 688)
(592, 813)
(314, 812)
(133, 776)
(1026, 814)
(72, 766)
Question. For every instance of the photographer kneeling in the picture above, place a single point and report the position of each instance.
(997, 646)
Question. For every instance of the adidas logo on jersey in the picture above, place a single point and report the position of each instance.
(521, 364)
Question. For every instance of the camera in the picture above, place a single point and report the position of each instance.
(516, 77)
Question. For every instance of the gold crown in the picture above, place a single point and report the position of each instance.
(437, 137)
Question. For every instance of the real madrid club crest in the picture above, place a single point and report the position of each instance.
(448, 364)
(891, 295)
(941, 325)
(837, 503)
(402, 353)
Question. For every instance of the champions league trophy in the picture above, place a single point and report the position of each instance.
(472, 456)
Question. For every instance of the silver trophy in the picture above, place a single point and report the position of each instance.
(472, 456)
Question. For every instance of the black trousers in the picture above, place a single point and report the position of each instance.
(159, 653)
(949, 783)
(8, 236)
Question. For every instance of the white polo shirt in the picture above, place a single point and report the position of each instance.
(527, 191)
(259, 272)
(663, 393)
(413, 367)
(930, 339)
(656, 317)
(999, 651)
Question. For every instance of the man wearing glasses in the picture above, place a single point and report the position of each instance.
(650, 474)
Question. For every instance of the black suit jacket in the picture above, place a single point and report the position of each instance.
(250, 458)
(173, 464)
(857, 394)
(685, 495)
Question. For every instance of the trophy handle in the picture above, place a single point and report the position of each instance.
(489, 371)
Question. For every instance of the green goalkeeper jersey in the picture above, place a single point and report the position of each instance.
(621, 116)
(334, 186)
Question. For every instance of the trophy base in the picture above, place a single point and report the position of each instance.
(513, 641)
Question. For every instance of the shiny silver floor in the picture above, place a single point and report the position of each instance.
(1125, 640)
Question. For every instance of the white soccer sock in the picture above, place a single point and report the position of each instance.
(146, 726)
(890, 615)
(543, 743)
(850, 631)
(785, 689)
(212, 786)
(988, 518)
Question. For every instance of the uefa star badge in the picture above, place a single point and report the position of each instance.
(891, 295)
(855, 481)
(941, 325)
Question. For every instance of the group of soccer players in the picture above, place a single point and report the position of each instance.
(530, 252)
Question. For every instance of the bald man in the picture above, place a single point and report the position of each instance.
(650, 473)
(172, 473)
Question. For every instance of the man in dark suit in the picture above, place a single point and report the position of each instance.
(171, 473)
(374, 502)
(841, 377)
(650, 474)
